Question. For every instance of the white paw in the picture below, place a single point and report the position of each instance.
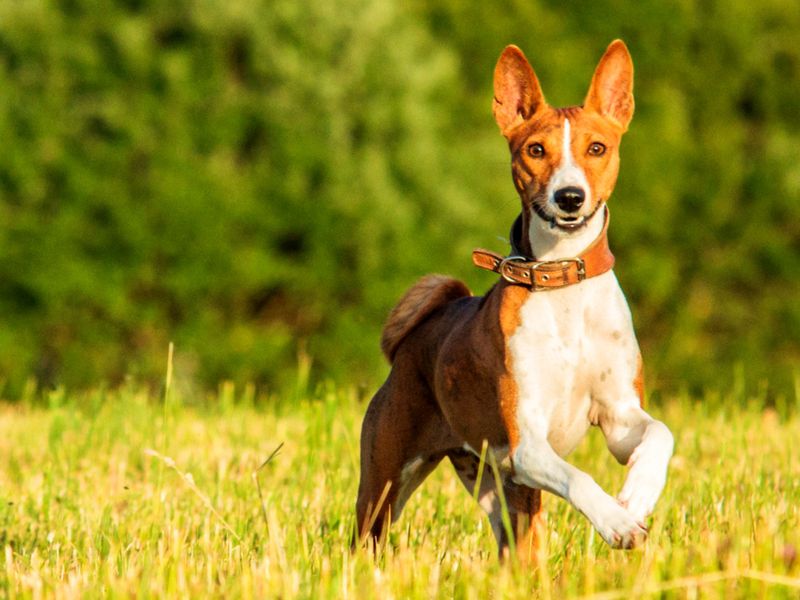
(617, 526)
(648, 471)
(642, 488)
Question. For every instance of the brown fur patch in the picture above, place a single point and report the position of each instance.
(569, 112)
(638, 383)
(513, 296)
(428, 294)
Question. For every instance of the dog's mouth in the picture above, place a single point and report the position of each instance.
(568, 224)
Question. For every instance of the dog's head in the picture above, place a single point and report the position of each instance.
(564, 160)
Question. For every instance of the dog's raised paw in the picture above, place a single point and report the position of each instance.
(641, 491)
(619, 528)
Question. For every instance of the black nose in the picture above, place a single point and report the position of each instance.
(569, 199)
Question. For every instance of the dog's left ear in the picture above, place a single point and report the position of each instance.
(611, 90)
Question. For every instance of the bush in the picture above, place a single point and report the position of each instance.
(235, 178)
(254, 180)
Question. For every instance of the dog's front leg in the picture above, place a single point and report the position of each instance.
(645, 445)
(537, 465)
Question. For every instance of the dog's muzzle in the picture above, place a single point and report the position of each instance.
(569, 199)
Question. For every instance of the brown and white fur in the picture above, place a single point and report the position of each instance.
(527, 371)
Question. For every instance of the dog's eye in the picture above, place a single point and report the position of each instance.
(536, 150)
(596, 149)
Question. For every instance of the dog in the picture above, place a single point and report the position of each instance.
(548, 352)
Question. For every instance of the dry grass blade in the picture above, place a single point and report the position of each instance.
(373, 512)
(698, 581)
(773, 578)
(504, 513)
(481, 466)
(258, 483)
(189, 481)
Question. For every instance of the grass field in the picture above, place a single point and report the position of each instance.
(119, 494)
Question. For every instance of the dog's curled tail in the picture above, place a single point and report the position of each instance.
(424, 297)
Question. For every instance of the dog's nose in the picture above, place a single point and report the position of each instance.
(569, 199)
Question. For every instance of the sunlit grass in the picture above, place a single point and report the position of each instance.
(87, 509)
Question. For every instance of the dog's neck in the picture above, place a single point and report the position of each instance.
(550, 243)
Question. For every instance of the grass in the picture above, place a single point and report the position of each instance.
(120, 494)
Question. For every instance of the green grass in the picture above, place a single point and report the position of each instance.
(87, 510)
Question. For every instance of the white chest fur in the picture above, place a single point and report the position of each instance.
(573, 355)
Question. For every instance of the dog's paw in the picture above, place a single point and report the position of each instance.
(647, 473)
(639, 505)
(641, 490)
(618, 527)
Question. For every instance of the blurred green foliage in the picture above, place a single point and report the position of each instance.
(254, 180)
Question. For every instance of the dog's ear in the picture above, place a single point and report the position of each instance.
(517, 94)
(611, 90)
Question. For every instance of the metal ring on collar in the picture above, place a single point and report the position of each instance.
(503, 264)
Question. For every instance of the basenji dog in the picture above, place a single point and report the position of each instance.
(549, 351)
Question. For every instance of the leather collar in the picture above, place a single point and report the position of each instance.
(548, 274)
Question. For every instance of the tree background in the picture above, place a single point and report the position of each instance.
(258, 181)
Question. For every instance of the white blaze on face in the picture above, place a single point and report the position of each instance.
(568, 174)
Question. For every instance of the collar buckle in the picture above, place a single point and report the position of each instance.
(581, 267)
(560, 266)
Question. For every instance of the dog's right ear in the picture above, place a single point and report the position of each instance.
(517, 94)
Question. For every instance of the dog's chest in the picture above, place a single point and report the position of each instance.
(568, 354)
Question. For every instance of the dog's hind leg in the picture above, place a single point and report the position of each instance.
(524, 506)
(527, 520)
(403, 438)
